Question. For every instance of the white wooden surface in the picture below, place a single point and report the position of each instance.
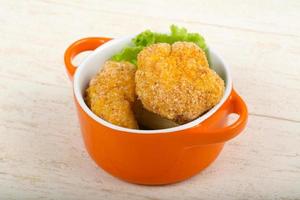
(41, 151)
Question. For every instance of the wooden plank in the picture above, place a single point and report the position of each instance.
(263, 65)
(36, 134)
(260, 16)
(42, 155)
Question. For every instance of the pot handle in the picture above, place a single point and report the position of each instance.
(237, 106)
(85, 44)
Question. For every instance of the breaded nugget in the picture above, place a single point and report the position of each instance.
(111, 93)
(176, 82)
(189, 54)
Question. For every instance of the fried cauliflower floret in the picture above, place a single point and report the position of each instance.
(176, 82)
(111, 93)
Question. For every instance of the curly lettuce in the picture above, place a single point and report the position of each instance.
(148, 37)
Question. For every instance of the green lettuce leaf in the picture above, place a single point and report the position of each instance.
(148, 37)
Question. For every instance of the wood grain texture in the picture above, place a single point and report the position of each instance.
(42, 155)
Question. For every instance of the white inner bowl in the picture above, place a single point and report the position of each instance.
(91, 65)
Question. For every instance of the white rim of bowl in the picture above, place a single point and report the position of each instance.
(195, 122)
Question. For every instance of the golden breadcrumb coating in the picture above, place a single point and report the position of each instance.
(111, 93)
(176, 82)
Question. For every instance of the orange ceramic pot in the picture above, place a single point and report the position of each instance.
(151, 157)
